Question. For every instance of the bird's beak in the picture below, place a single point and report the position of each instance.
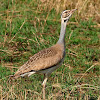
(73, 10)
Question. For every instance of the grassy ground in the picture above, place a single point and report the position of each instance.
(28, 26)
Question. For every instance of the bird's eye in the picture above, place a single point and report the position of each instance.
(67, 15)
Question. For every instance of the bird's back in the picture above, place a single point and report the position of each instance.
(42, 60)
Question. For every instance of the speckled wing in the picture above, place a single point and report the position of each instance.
(42, 60)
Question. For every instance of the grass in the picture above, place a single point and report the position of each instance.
(29, 26)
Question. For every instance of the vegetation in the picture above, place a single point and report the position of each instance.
(27, 26)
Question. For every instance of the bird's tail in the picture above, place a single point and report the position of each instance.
(16, 75)
(13, 77)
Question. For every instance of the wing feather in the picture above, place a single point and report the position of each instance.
(42, 60)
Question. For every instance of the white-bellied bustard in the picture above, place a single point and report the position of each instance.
(47, 60)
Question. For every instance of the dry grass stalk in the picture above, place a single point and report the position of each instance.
(80, 79)
(85, 8)
(18, 31)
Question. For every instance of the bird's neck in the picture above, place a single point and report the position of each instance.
(62, 33)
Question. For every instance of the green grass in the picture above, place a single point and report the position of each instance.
(26, 28)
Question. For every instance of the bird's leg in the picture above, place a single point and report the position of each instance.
(44, 84)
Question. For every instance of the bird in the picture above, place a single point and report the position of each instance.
(47, 60)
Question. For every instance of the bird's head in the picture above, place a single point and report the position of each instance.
(66, 14)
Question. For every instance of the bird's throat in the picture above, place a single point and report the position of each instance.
(62, 32)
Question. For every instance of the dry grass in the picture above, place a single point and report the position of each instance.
(86, 8)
